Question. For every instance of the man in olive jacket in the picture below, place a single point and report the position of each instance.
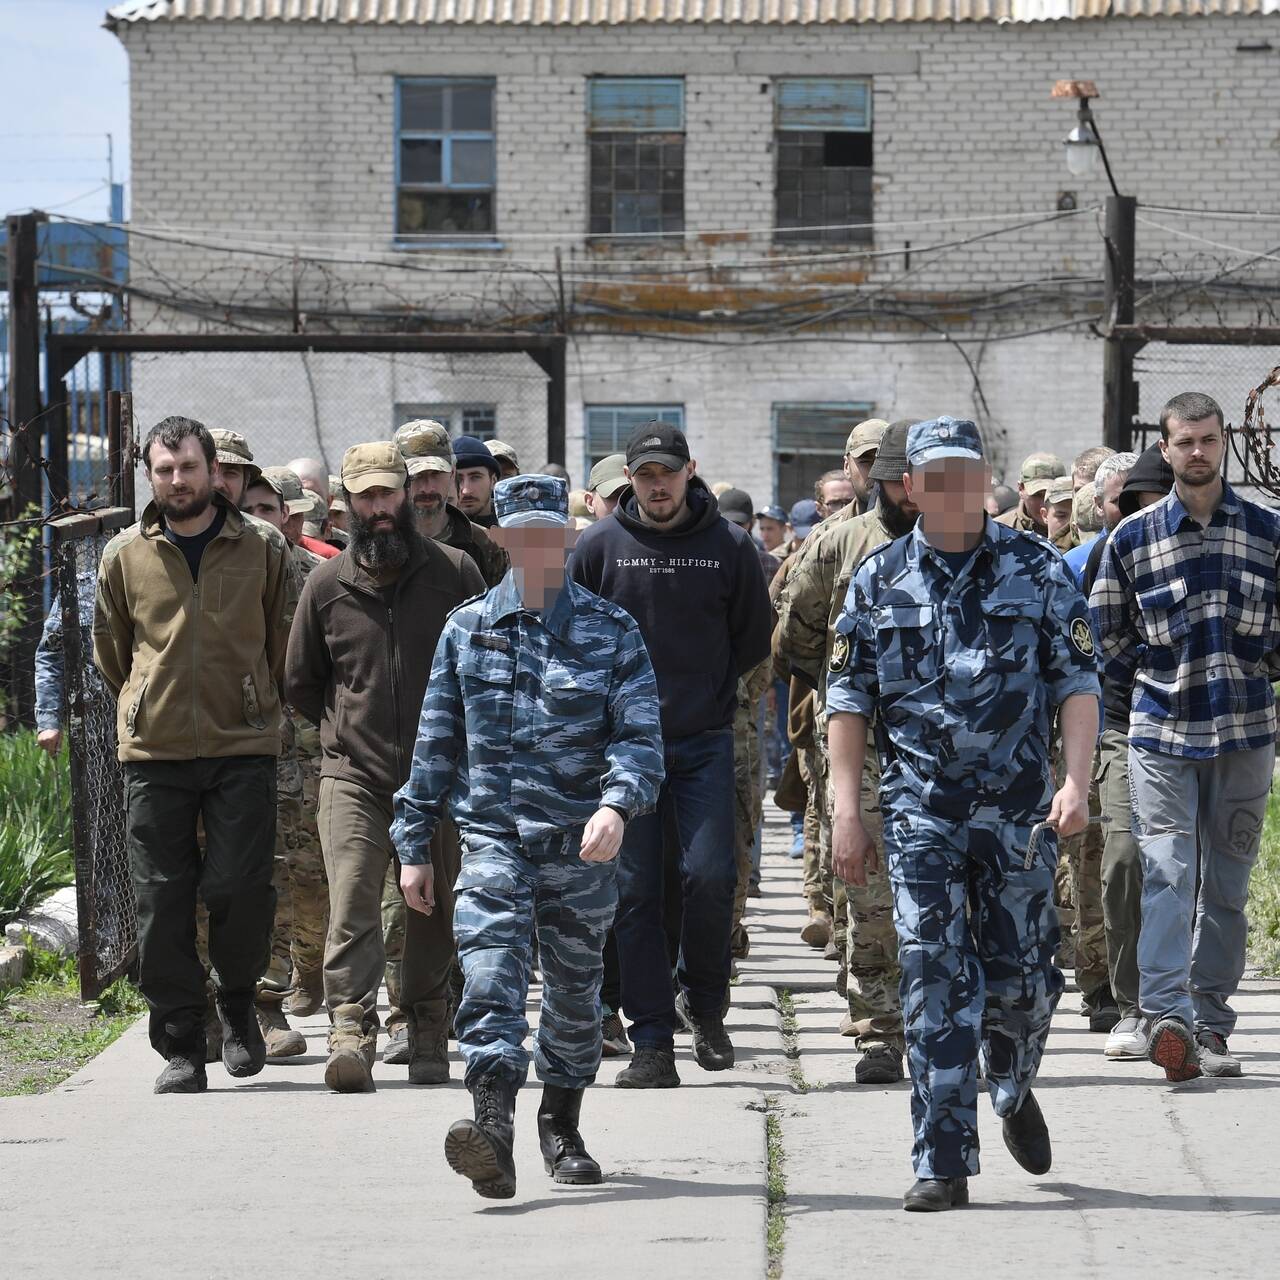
(189, 633)
(360, 652)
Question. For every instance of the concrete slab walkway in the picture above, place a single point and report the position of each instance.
(277, 1176)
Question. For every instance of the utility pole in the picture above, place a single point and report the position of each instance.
(1118, 408)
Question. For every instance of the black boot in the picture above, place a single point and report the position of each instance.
(932, 1195)
(184, 1072)
(563, 1151)
(244, 1051)
(480, 1149)
(651, 1068)
(1027, 1137)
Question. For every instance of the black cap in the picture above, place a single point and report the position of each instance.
(658, 442)
(736, 505)
(891, 459)
(1150, 474)
(470, 452)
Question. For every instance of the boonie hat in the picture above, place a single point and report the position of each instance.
(658, 442)
(938, 438)
(865, 437)
(891, 461)
(379, 464)
(736, 505)
(804, 515)
(469, 452)
(531, 500)
(232, 449)
(296, 499)
(1038, 469)
(773, 512)
(425, 446)
(607, 476)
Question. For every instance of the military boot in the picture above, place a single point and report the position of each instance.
(351, 1051)
(184, 1072)
(817, 932)
(307, 996)
(281, 1039)
(480, 1149)
(563, 1151)
(399, 1047)
(429, 1043)
(244, 1052)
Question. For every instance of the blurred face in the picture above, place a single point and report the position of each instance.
(950, 494)
(598, 504)
(660, 492)
(263, 501)
(772, 532)
(1194, 451)
(428, 492)
(1057, 517)
(1033, 504)
(181, 480)
(475, 491)
(1108, 500)
(228, 480)
(836, 494)
(538, 555)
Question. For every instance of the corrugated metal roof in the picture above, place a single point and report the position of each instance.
(570, 13)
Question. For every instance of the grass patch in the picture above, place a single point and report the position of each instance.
(791, 1041)
(46, 1034)
(1264, 895)
(777, 1188)
(35, 824)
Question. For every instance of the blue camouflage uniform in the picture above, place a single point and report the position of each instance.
(532, 721)
(50, 661)
(960, 668)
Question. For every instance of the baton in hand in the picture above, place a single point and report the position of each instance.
(1033, 841)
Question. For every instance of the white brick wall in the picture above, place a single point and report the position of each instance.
(280, 136)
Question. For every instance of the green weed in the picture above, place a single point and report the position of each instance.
(35, 825)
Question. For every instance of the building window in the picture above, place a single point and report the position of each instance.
(636, 131)
(809, 439)
(609, 426)
(444, 158)
(823, 143)
(479, 420)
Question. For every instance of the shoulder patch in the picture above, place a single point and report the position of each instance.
(1082, 638)
(840, 652)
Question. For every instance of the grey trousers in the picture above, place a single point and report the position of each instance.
(1191, 951)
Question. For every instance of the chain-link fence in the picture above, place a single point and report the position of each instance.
(104, 891)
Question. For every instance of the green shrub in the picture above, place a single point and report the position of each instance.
(35, 824)
(1264, 895)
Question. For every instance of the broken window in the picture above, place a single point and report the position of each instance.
(824, 158)
(444, 158)
(635, 130)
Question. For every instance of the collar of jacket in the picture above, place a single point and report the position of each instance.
(461, 531)
(351, 573)
(504, 602)
(232, 527)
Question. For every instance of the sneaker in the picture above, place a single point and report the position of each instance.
(616, 1043)
(1173, 1048)
(651, 1068)
(1215, 1057)
(398, 1050)
(184, 1072)
(244, 1052)
(880, 1065)
(1129, 1041)
(797, 845)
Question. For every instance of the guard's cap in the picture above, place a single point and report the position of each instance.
(296, 499)
(531, 500)
(232, 449)
(891, 460)
(804, 515)
(469, 452)
(500, 449)
(378, 464)
(1038, 470)
(772, 512)
(425, 446)
(938, 438)
(607, 476)
(865, 437)
(658, 442)
(736, 505)
(1061, 489)
(313, 525)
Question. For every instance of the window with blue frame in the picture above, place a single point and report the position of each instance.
(823, 143)
(445, 158)
(609, 426)
(635, 129)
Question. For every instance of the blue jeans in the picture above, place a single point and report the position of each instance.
(699, 795)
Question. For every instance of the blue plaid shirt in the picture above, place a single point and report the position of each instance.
(1186, 617)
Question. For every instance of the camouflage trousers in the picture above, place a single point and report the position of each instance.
(393, 921)
(507, 888)
(1078, 894)
(977, 936)
(748, 782)
(815, 893)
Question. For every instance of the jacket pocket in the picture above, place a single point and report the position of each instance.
(1013, 633)
(1251, 604)
(1163, 613)
(249, 700)
(135, 709)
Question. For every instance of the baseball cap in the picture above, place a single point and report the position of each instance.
(468, 452)
(945, 437)
(296, 499)
(773, 512)
(865, 437)
(891, 461)
(658, 442)
(1085, 512)
(500, 449)
(337, 494)
(365, 466)
(1060, 489)
(804, 515)
(1038, 469)
(425, 446)
(531, 500)
(607, 476)
(736, 505)
(313, 525)
(232, 449)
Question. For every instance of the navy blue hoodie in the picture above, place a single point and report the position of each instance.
(699, 596)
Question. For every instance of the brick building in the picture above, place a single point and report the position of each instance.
(762, 218)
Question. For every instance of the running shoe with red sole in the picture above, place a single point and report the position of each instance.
(1174, 1049)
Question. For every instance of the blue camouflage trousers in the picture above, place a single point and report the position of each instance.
(507, 888)
(977, 936)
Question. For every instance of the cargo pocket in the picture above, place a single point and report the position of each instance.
(249, 699)
(135, 709)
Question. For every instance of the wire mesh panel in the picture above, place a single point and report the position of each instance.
(104, 890)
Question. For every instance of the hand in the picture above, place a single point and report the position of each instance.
(602, 836)
(418, 884)
(1069, 812)
(853, 852)
(50, 740)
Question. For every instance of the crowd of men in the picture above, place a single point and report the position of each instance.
(437, 723)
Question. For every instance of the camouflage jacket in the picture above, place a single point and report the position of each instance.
(964, 669)
(530, 724)
(471, 539)
(51, 678)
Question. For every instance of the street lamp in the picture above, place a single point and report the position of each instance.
(1083, 145)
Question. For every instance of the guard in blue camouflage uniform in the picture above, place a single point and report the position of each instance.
(540, 735)
(958, 641)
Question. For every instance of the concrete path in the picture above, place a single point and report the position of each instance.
(277, 1176)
